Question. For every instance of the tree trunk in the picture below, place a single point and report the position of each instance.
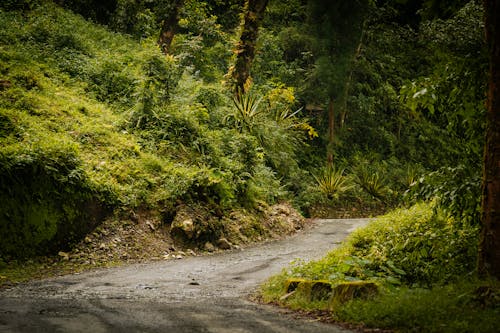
(169, 27)
(331, 132)
(239, 74)
(343, 112)
(489, 247)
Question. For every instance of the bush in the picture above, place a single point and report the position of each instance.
(417, 246)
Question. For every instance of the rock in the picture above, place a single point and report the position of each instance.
(63, 255)
(209, 247)
(224, 244)
(150, 225)
(347, 291)
(178, 256)
(88, 240)
(321, 290)
(183, 228)
(191, 252)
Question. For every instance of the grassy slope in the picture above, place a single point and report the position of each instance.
(94, 118)
(53, 60)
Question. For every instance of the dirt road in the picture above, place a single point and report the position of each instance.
(194, 294)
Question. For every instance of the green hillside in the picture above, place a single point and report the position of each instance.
(93, 120)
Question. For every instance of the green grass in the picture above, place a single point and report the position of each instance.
(452, 308)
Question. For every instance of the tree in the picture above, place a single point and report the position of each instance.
(489, 248)
(337, 27)
(169, 26)
(239, 74)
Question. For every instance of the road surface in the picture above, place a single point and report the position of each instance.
(195, 294)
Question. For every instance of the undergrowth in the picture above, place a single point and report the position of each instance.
(94, 121)
(425, 264)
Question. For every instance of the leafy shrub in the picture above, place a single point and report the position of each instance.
(332, 182)
(457, 190)
(415, 246)
(426, 244)
(111, 81)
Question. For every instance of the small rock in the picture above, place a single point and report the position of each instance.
(88, 240)
(181, 253)
(63, 255)
(209, 247)
(166, 256)
(224, 244)
(191, 252)
(102, 246)
(150, 225)
(178, 256)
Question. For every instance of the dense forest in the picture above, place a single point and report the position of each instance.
(222, 109)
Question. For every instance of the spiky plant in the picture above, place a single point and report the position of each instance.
(247, 112)
(332, 182)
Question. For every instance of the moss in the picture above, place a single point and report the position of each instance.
(47, 202)
(348, 291)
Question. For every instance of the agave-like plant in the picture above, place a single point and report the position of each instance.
(371, 182)
(247, 112)
(332, 182)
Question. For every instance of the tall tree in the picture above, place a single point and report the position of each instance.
(169, 26)
(489, 248)
(239, 74)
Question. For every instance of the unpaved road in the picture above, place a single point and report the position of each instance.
(194, 294)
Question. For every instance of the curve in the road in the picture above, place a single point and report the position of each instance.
(195, 294)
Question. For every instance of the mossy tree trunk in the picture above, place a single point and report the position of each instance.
(239, 74)
(170, 26)
(489, 248)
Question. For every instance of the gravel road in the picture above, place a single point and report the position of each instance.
(195, 294)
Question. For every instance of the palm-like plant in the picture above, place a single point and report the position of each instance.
(332, 182)
(371, 181)
(247, 112)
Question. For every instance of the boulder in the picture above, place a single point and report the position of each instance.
(183, 228)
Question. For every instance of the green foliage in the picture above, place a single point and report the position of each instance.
(370, 181)
(246, 112)
(452, 308)
(47, 201)
(428, 246)
(457, 190)
(332, 182)
(415, 247)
